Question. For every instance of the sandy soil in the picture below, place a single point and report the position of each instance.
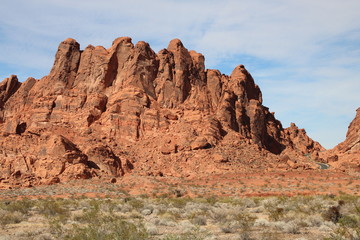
(235, 184)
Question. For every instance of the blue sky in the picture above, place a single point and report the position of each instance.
(304, 54)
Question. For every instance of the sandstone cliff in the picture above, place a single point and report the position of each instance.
(108, 112)
(352, 141)
(346, 155)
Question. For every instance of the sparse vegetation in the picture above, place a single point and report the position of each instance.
(182, 218)
(7, 217)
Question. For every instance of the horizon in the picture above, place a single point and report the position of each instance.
(304, 56)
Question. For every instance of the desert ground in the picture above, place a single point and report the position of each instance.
(314, 204)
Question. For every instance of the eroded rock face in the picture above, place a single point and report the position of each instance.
(7, 88)
(106, 112)
(346, 155)
(300, 141)
(64, 70)
(352, 141)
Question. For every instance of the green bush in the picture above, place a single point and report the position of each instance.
(53, 208)
(7, 217)
(22, 206)
(135, 203)
(104, 228)
(185, 236)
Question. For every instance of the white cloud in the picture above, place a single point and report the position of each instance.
(304, 54)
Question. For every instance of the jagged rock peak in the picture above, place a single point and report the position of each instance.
(122, 40)
(66, 64)
(70, 41)
(7, 88)
(352, 141)
(346, 155)
(175, 44)
(142, 45)
(127, 107)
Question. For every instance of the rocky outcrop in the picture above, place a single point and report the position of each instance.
(346, 155)
(352, 141)
(298, 140)
(108, 112)
(7, 88)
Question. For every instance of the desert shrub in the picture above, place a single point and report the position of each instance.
(185, 236)
(52, 208)
(343, 233)
(199, 220)
(245, 220)
(171, 214)
(94, 204)
(276, 213)
(258, 209)
(324, 228)
(187, 227)
(151, 229)
(218, 214)
(23, 206)
(274, 207)
(348, 198)
(261, 222)
(249, 202)
(88, 216)
(222, 212)
(173, 202)
(229, 227)
(332, 214)
(348, 227)
(7, 217)
(291, 227)
(231, 201)
(316, 204)
(240, 225)
(166, 222)
(104, 228)
(287, 227)
(196, 215)
(147, 211)
(178, 193)
(197, 206)
(268, 235)
(244, 236)
(108, 205)
(211, 200)
(314, 220)
(179, 202)
(350, 221)
(135, 203)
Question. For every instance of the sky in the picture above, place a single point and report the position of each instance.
(304, 54)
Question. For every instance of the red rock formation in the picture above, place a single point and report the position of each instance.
(298, 140)
(346, 155)
(107, 112)
(352, 141)
(7, 88)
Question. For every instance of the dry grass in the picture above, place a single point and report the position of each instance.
(303, 217)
